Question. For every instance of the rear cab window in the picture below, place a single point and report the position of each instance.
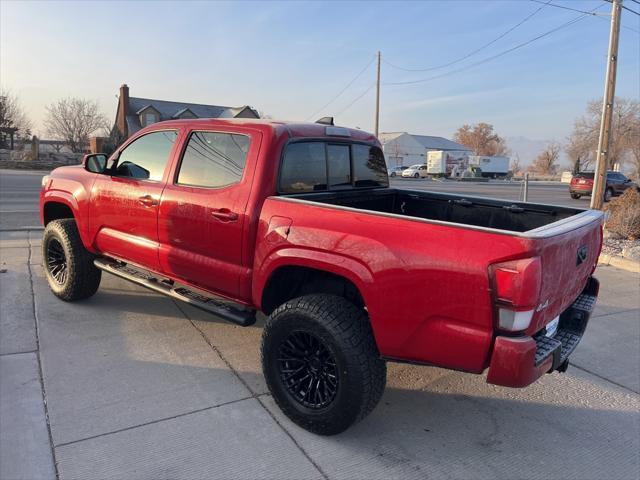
(317, 166)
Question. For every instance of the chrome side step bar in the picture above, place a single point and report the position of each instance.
(217, 306)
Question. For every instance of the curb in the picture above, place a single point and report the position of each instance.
(619, 262)
(22, 229)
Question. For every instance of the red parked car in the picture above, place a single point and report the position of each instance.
(617, 183)
(298, 221)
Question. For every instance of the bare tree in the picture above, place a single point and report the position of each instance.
(13, 116)
(516, 166)
(74, 120)
(635, 157)
(634, 145)
(546, 162)
(583, 141)
(481, 139)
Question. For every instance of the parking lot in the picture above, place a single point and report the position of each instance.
(137, 386)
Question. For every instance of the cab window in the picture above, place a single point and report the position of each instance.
(369, 167)
(146, 157)
(304, 168)
(320, 166)
(213, 159)
(338, 166)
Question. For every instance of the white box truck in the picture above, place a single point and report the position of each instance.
(442, 163)
(491, 166)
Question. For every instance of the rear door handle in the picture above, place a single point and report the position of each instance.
(224, 214)
(148, 201)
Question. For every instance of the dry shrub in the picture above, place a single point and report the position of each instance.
(624, 214)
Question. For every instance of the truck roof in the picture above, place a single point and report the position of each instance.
(275, 127)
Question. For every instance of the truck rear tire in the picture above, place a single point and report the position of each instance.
(321, 363)
(575, 196)
(68, 266)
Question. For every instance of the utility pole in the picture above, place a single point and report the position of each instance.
(604, 139)
(377, 122)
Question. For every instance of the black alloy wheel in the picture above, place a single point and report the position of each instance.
(321, 362)
(308, 370)
(67, 264)
(56, 261)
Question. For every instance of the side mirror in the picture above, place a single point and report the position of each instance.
(95, 162)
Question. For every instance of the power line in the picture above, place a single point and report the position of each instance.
(493, 57)
(566, 8)
(629, 10)
(343, 90)
(626, 26)
(601, 16)
(474, 51)
(356, 99)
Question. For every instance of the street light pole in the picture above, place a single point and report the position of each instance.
(604, 138)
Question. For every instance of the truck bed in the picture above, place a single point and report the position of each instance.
(451, 208)
(428, 257)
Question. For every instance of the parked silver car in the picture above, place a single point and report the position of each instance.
(415, 171)
(396, 171)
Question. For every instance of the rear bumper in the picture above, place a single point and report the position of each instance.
(582, 190)
(519, 361)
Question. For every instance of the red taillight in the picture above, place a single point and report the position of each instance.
(518, 282)
(516, 287)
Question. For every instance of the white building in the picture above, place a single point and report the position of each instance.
(402, 148)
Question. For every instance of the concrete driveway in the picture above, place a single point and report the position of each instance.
(137, 386)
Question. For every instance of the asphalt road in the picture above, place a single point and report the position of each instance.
(553, 193)
(19, 196)
(140, 387)
(19, 192)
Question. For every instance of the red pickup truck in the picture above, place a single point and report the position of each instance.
(297, 220)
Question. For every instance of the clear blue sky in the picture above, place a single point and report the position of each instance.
(287, 59)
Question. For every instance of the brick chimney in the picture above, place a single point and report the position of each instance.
(123, 109)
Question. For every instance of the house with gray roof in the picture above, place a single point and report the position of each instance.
(402, 148)
(135, 113)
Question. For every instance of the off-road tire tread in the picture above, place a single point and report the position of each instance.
(83, 276)
(351, 329)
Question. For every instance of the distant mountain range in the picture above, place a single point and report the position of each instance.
(528, 149)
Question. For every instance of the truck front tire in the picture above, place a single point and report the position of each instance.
(321, 363)
(68, 266)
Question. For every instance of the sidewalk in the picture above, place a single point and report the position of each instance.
(137, 386)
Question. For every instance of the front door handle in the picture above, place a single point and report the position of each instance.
(148, 201)
(224, 214)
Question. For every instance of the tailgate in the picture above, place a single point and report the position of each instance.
(568, 251)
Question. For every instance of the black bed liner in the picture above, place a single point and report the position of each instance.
(454, 208)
